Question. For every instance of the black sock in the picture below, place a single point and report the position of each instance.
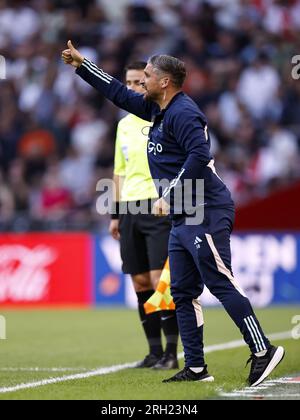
(151, 324)
(170, 329)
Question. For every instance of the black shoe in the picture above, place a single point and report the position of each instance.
(149, 361)
(261, 367)
(168, 361)
(187, 374)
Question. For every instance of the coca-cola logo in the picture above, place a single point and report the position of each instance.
(23, 272)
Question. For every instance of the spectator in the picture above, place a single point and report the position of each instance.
(55, 200)
(238, 54)
(260, 78)
(7, 205)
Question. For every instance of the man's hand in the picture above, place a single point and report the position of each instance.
(72, 56)
(114, 229)
(161, 208)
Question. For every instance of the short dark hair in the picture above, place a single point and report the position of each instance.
(170, 65)
(136, 65)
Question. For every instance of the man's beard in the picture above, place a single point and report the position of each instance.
(151, 96)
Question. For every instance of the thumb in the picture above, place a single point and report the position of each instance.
(70, 45)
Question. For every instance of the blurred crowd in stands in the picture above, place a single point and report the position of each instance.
(57, 134)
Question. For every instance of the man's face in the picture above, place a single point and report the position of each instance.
(133, 78)
(153, 83)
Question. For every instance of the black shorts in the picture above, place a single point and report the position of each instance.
(144, 242)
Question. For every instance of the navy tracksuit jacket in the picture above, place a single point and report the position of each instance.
(179, 150)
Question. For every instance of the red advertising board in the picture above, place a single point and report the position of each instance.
(45, 269)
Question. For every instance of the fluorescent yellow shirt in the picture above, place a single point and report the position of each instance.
(131, 160)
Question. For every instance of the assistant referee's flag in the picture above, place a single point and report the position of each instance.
(161, 298)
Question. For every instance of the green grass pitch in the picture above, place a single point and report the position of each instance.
(83, 340)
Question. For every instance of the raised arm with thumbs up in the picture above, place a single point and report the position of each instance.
(108, 86)
(72, 56)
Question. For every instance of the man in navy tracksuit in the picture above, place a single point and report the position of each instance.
(179, 151)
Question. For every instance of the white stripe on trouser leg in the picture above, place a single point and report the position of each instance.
(221, 266)
(198, 312)
(255, 333)
(252, 320)
(257, 346)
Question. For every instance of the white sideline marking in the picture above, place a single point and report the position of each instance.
(97, 372)
(250, 392)
(39, 369)
(282, 381)
(260, 395)
(117, 368)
